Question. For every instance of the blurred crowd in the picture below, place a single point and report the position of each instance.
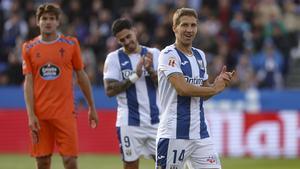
(254, 37)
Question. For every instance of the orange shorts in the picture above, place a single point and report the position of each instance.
(59, 132)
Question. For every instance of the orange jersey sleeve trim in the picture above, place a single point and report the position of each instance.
(76, 58)
(26, 64)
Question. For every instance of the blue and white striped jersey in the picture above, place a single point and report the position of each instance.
(137, 106)
(182, 117)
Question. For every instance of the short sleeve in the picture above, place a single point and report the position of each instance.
(205, 64)
(155, 53)
(26, 64)
(112, 68)
(76, 58)
(169, 63)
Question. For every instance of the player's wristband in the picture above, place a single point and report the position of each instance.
(133, 77)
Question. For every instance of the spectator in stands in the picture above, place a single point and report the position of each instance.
(268, 64)
(245, 74)
(91, 23)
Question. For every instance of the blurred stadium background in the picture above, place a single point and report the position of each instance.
(255, 123)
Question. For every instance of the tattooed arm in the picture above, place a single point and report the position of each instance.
(114, 87)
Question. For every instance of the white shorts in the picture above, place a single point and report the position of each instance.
(173, 153)
(137, 141)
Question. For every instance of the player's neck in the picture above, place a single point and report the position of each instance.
(186, 49)
(49, 37)
(137, 50)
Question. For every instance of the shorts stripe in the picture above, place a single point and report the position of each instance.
(120, 141)
(162, 152)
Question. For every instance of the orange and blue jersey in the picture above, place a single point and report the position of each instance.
(51, 65)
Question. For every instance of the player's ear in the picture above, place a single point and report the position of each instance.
(37, 21)
(174, 28)
(134, 30)
(59, 20)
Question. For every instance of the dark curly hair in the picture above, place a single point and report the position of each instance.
(120, 24)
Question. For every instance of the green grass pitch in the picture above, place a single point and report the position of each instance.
(96, 161)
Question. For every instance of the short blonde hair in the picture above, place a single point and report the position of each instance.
(183, 12)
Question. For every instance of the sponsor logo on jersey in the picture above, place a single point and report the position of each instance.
(196, 80)
(49, 71)
(127, 72)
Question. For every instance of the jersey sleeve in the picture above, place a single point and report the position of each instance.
(169, 63)
(112, 68)
(155, 53)
(205, 64)
(26, 64)
(76, 58)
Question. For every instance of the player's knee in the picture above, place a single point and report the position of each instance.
(43, 162)
(131, 164)
(70, 162)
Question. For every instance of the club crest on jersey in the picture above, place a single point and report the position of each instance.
(126, 73)
(173, 166)
(49, 71)
(128, 152)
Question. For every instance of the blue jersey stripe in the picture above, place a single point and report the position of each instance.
(203, 127)
(132, 102)
(151, 89)
(183, 103)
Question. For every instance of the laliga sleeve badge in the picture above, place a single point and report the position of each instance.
(172, 62)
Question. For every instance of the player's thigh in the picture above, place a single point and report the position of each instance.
(172, 153)
(66, 136)
(150, 141)
(205, 155)
(131, 142)
(46, 140)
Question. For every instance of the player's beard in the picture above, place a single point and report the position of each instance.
(131, 47)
